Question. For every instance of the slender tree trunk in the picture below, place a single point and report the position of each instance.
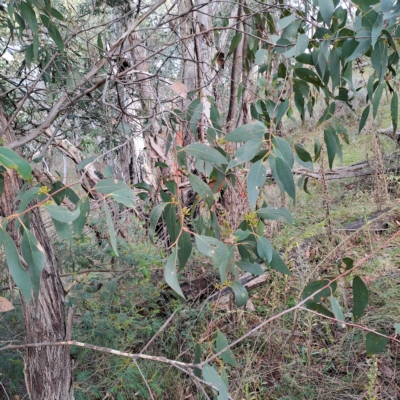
(48, 370)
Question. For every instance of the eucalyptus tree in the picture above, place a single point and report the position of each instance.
(162, 82)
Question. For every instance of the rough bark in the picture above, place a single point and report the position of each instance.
(48, 370)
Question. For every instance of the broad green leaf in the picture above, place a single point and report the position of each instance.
(281, 110)
(336, 309)
(196, 117)
(202, 189)
(63, 230)
(100, 44)
(360, 297)
(302, 44)
(379, 59)
(334, 68)
(56, 36)
(303, 154)
(317, 149)
(12, 160)
(235, 42)
(84, 163)
(211, 376)
(34, 255)
(56, 14)
(364, 118)
(29, 55)
(361, 49)
(241, 235)
(326, 8)
(220, 344)
(240, 292)
(312, 305)
(111, 230)
(56, 193)
(255, 182)
(394, 111)
(248, 266)
(309, 76)
(286, 177)
(376, 29)
(264, 249)
(278, 264)
(218, 251)
(330, 141)
(246, 132)
(206, 153)
(261, 57)
(71, 196)
(84, 209)
(317, 285)
(124, 196)
(246, 152)
(284, 22)
(18, 273)
(184, 248)
(197, 359)
(61, 214)
(170, 273)
(374, 343)
(274, 213)
(154, 217)
(284, 147)
(27, 197)
(377, 98)
(327, 114)
(29, 14)
(108, 186)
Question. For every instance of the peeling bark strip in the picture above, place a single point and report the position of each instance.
(48, 370)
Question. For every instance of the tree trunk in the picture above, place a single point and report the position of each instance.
(48, 370)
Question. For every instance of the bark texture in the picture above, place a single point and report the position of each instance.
(48, 370)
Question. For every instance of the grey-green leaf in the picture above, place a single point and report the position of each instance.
(337, 310)
(255, 181)
(246, 152)
(34, 255)
(360, 296)
(19, 274)
(124, 196)
(170, 273)
(107, 186)
(154, 217)
(220, 344)
(111, 229)
(206, 153)
(246, 132)
(374, 343)
(278, 264)
(364, 118)
(286, 177)
(264, 249)
(330, 142)
(248, 266)
(327, 114)
(240, 292)
(394, 111)
(326, 8)
(274, 213)
(62, 214)
(12, 160)
(211, 376)
(84, 208)
(202, 189)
